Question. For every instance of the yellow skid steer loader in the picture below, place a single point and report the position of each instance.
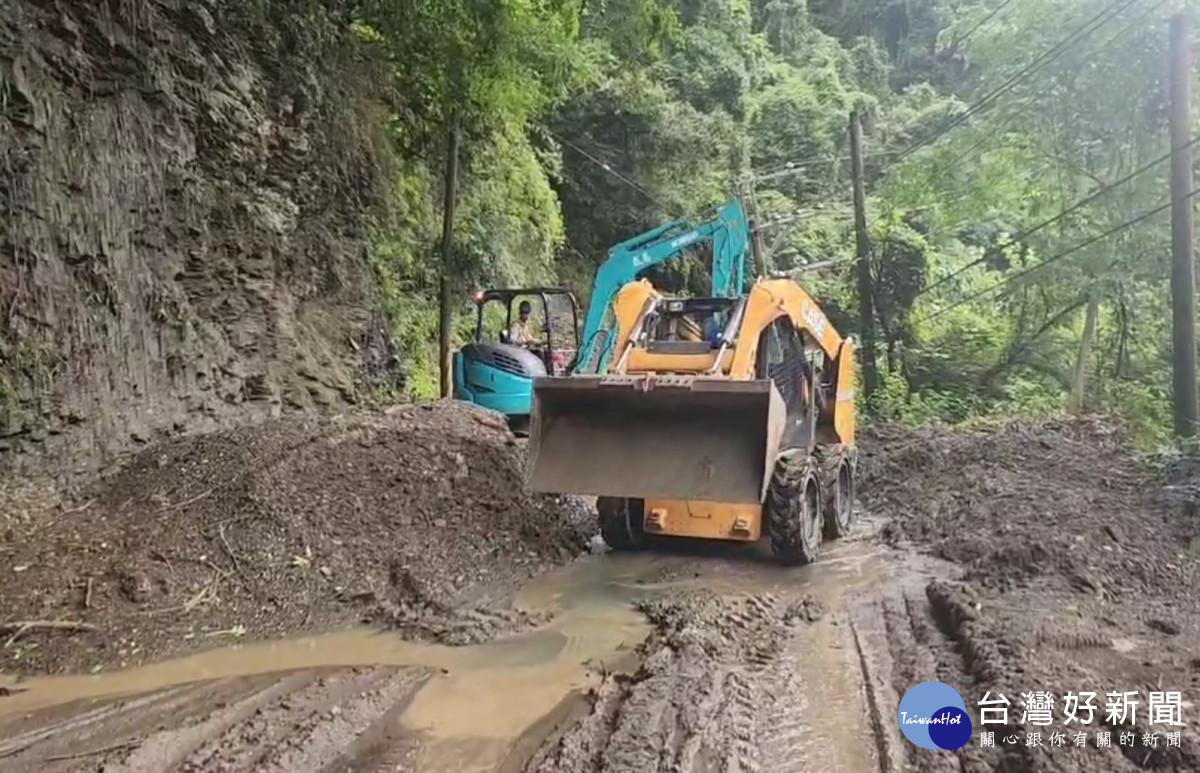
(745, 434)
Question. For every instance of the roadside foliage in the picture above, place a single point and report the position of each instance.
(591, 122)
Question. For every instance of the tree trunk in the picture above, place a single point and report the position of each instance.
(1122, 342)
(1075, 403)
(445, 316)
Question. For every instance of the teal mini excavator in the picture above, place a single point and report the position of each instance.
(495, 372)
(498, 374)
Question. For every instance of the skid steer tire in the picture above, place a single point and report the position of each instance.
(839, 498)
(622, 523)
(793, 511)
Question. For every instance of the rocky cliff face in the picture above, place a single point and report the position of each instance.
(182, 187)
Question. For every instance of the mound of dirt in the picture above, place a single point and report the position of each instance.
(1013, 504)
(418, 519)
(1074, 575)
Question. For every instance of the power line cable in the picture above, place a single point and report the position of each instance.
(960, 158)
(945, 279)
(1040, 62)
(759, 175)
(1057, 257)
(1080, 32)
(605, 167)
(1087, 28)
(792, 223)
(970, 153)
(984, 21)
(1090, 26)
(1103, 191)
(989, 100)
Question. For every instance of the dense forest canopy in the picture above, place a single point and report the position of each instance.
(587, 121)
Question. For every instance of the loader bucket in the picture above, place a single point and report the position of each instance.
(694, 438)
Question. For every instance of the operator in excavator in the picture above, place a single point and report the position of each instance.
(519, 333)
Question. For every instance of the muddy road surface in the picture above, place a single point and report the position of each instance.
(696, 660)
(1022, 563)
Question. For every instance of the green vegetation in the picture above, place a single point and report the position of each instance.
(681, 99)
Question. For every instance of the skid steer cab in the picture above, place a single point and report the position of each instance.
(520, 335)
(720, 418)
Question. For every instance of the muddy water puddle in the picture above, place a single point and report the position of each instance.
(594, 617)
(482, 703)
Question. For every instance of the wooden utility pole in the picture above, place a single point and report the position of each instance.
(1076, 400)
(1183, 265)
(863, 249)
(445, 315)
(758, 255)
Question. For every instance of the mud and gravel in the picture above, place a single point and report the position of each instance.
(703, 699)
(417, 520)
(1019, 558)
(1070, 571)
(309, 720)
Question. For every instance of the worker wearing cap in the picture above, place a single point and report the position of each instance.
(518, 333)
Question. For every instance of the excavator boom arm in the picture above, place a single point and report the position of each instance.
(729, 232)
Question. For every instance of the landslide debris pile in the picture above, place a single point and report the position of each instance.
(1071, 571)
(418, 519)
(1027, 500)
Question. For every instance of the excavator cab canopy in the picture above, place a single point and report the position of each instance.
(554, 314)
(555, 307)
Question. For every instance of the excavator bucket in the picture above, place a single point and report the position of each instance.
(675, 437)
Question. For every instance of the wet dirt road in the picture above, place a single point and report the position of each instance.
(712, 658)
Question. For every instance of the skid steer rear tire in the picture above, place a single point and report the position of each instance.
(793, 511)
(622, 522)
(839, 518)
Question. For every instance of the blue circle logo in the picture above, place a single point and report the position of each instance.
(933, 716)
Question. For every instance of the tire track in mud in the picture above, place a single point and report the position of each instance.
(896, 646)
(871, 687)
(306, 730)
(168, 749)
(340, 720)
(84, 732)
(703, 699)
(82, 726)
(741, 672)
